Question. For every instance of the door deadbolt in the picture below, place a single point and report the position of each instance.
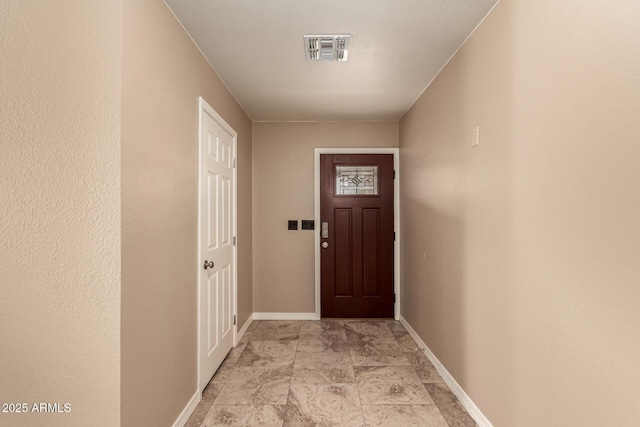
(208, 264)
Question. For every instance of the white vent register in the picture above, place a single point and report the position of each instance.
(327, 47)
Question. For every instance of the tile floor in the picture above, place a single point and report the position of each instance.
(328, 373)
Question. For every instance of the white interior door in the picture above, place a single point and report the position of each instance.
(217, 264)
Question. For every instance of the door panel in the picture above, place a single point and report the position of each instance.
(211, 212)
(370, 251)
(212, 300)
(216, 222)
(356, 200)
(343, 266)
(225, 210)
(226, 299)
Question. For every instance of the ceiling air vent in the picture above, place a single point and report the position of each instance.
(327, 48)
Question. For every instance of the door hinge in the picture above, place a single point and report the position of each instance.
(234, 164)
(234, 240)
(394, 174)
(394, 236)
(394, 298)
(234, 319)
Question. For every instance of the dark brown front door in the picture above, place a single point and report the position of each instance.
(356, 230)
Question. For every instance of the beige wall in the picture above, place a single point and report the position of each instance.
(283, 156)
(60, 210)
(163, 75)
(521, 257)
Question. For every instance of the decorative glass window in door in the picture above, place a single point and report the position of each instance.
(358, 180)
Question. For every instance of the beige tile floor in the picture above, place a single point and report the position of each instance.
(328, 373)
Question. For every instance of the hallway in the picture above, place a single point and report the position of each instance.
(329, 372)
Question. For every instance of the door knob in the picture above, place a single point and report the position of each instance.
(325, 245)
(208, 264)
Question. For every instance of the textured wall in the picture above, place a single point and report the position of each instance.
(163, 76)
(521, 257)
(60, 210)
(283, 155)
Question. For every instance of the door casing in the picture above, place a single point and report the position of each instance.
(205, 108)
(396, 213)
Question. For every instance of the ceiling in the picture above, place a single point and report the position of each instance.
(397, 48)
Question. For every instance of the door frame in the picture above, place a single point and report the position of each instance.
(396, 217)
(205, 108)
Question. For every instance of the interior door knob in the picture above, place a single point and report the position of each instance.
(208, 264)
(325, 245)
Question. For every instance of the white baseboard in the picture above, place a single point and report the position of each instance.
(244, 328)
(284, 316)
(463, 397)
(188, 410)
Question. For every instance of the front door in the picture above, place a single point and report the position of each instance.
(216, 245)
(356, 230)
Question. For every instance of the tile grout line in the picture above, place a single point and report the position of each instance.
(222, 384)
(355, 380)
(418, 350)
(293, 364)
